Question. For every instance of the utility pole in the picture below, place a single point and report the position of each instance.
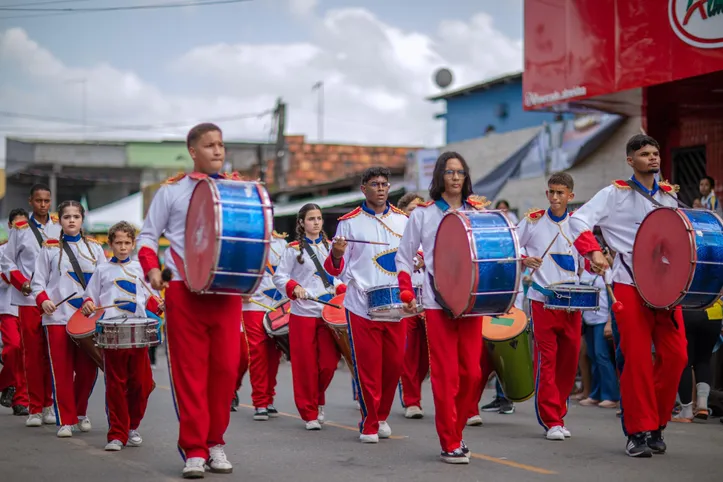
(319, 87)
(279, 175)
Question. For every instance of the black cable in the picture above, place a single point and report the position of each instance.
(52, 12)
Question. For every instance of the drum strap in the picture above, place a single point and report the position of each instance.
(319, 268)
(634, 186)
(36, 232)
(74, 263)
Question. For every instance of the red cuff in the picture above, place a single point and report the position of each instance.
(523, 256)
(17, 279)
(586, 243)
(341, 289)
(148, 259)
(85, 301)
(330, 268)
(5, 278)
(405, 281)
(154, 305)
(42, 296)
(588, 266)
(290, 289)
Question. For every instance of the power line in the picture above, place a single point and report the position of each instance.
(46, 2)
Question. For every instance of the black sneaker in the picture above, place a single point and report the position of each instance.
(656, 442)
(465, 449)
(6, 399)
(456, 457)
(273, 413)
(506, 407)
(20, 411)
(493, 406)
(261, 414)
(637, 445)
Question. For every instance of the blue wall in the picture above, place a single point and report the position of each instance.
(469, 115)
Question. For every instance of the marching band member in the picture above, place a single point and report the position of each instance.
(263, 354)
(128, 375)
(377, 346)
(416, 352)
(455, 345)
(18, 264)
(647, 389)
(202, 330)
(62, 271)
(12, 377)
(556, 332)
(301, 276)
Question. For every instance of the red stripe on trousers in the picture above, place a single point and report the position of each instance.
(128, 384)
(203, 339)
(314, 358)
(378, 348)
(35, 359)
(13, 371)
(264, 359)
(455, 349)
(416, 361)
(73, 373)
(557, 335)
(648, 388)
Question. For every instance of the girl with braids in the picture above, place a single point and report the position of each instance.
(311, 343)
(73, 372)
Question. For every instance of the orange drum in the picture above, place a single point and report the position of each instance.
(335, 319)
(81, 330)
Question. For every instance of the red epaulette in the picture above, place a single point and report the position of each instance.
(667, 187)
(232, 176)
(534, 215)
(175, 179)
(279, 235)
(93, 240)
(54, 218)
(425, 204)
(478, 202)
(51, 243)
(23, 224)
(294, 244)
(397, 210)
(621, 184)
(351, 214)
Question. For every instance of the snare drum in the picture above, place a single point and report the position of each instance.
(276, 324)
(476, 263)
(571, 297)
(678, 258)
(335, 319)
(385, 305)
(228, 231)
(123, 332)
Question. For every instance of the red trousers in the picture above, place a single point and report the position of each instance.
(243, 362)
(35, 359)
(203, 344)
(377, 349)
(264, 360)
(557, 334)
(73, 374)
(648, 389)
(128, 384)
(314, 358)
(416, 362)
(487, 369)
(455, 349)
(13, 371)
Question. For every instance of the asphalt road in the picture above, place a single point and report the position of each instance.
(507, 448)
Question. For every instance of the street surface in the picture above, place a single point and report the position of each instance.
(507, 448)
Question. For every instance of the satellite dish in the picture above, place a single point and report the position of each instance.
(443, 78)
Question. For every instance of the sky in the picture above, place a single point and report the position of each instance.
(152, 74)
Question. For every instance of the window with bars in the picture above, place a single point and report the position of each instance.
(689, 167)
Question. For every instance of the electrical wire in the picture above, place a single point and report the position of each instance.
(46, 2)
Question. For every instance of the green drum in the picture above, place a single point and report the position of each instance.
(508, 344)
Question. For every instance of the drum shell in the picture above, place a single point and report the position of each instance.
(572, 297)
(114, 334)
(280, 335)
(512, 358)
(87, 344)
(384, 303)
(336, 320)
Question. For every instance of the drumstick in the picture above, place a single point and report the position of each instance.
(325, 303)
(66, 299)
(378, 243)
(545, 253)
(262, 305)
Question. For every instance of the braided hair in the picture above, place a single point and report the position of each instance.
(301, 232)
(61, 208)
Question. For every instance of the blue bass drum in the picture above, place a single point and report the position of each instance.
(228, 232)
(571, 297)
(476, 263)
(385, 304)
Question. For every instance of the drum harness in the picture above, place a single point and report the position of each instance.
(319, 268)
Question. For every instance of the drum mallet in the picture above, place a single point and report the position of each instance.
(545, 253)
(65, 299)
(617, 306)
(262, 305)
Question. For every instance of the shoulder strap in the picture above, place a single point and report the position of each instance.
(634, 186)
(319, 268)
(74, 263)
(36, 232)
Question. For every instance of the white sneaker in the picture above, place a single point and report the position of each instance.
(195, 468)
(65, 431)
(321, 417)
(369, 438)
(313, 425)
(566, 432)
(34, 420)
(114, 446)
(413, 412)
(217, 461)
(134, 438)
(84, 424)
(49, 416)
(555, 433)
(385, 431)
(474, 421)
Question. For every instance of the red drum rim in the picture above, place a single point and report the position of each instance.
(454, 274)
(81, 326)
(663, 257)
(335, 316)
(279, 318)
(201, 241)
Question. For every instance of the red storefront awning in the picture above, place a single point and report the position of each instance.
(581, 49)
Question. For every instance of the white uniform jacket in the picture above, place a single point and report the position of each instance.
(6, 291)
(267, 293)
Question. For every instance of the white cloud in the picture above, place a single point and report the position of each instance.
(375, 76)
